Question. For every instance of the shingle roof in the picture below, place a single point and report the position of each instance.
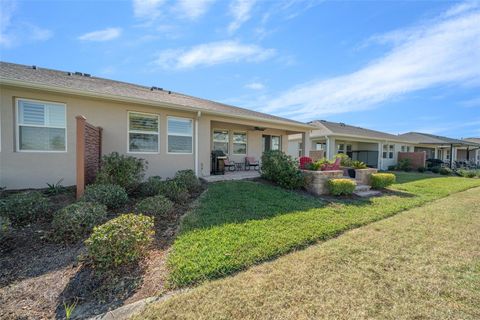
(338, 128)
(476, 140)
(61, 80)
(426, 138)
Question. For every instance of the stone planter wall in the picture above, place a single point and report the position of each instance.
(317, 180)
(363, 175)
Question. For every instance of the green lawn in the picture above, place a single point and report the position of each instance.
(423, 263)
(239, 224)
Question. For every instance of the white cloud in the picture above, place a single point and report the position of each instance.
(255, 86)
(193, 9)
(14, 34)
(443, 51)
(147, 9)
(213, 53)
(101, 35)
(240, 10)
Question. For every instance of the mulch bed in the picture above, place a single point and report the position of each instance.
(37, 276)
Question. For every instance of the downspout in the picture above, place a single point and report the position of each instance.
(199, 114)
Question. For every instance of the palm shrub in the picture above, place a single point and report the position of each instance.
(25, 207)
(77, 220)
(157, 205)
(125, 171)
(119, 242)
(111, 195)
(345, 160)
(282, 169)
(381, 180)
(341, 186)
(358, 164)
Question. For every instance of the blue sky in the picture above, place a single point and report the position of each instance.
(391, 66)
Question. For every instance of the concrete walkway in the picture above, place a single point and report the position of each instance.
(233, 175)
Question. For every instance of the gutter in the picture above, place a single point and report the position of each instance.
(38, 86)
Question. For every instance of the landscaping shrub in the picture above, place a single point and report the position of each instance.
(305, 162)
(174, 191)
(445, 171)
(468, 173)
(125, 171)
(121, 241)
(157, 206)
(151, 187)
(358, 165)
(5, 227)
(392, 168)
(421, 169)
(188, 180)
(404, 165)
(345, 160)
(435, 169)
(24, 208)
(341, 186)
(282, 169)
(381, 180)
(111, 195)
(77, 220)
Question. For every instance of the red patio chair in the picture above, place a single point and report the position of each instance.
(333, 166)
(304, 161)
(251, 162)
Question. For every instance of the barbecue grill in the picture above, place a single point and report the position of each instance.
(218, 165)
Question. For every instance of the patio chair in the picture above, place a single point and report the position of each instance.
(230, 165)
(251, 162)
(333, 166)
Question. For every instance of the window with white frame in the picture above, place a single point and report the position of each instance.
(180, 135)
(143, 132)
(275, 143)
(341, 148)
(320, 146)
(41, 126)
(408, 148)
(403, 148)
(388, 150)
(220, 140)
(239, 143)
(300, 149)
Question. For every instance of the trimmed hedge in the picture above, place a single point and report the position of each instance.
(188, 180)
(157, 206)
(341, 186)
(445, 171)
(76, 221)
(151, 187)
(111, 195)
(119, 242)
(381, 180)
(125, 171)
(24, 208)
(174, 191)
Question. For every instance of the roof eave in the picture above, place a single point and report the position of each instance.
(39, 86)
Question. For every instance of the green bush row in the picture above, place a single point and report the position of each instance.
(381, 180)
(341, 186)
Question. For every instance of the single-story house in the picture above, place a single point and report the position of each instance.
(444, 148)
(38, 118)
(377, 149)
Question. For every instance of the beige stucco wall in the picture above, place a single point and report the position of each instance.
(35, 169)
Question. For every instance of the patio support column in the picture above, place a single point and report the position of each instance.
(306, 144)
(436, 153)
(451, 155)
(468, 153)
(379, 155)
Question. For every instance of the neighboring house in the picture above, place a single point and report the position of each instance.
(172, 131)
(444, 148)
(474, 154)
(377, 149)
